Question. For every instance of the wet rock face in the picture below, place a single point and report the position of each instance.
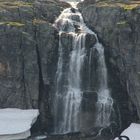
(117, 25)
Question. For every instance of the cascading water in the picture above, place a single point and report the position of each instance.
(105, 102)
(69, 90)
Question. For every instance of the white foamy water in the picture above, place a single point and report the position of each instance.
(105, 102)
(73, 2)
(68, 96)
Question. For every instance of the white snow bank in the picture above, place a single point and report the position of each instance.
(19, 136)
(133, 132)
(16, 122)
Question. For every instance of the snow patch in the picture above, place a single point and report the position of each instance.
(133, 132)
(16, 123)
(19, 136)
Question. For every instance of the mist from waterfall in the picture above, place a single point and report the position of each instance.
(69, 91)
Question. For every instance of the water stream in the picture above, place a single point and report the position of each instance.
(69, 90)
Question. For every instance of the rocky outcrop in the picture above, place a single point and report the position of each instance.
(117, 26)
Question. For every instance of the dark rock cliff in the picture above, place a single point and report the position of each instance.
(118, 27)
(28, 53)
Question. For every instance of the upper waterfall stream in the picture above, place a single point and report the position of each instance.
(69, 90)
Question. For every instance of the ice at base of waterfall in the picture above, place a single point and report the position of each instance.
(133, 132)
(19, 136)
(16, 123)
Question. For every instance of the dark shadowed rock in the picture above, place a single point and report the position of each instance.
(28, 54)
(90, 40)
(118, 28)
(88, 111)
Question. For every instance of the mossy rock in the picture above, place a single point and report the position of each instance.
(5, 4)
(122, 23)
(12, 23)
(38, 21)
(126, 6)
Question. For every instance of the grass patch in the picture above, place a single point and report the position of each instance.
(38, 21)
(105, 4)
(128, 7)
(11, 23)
(122, 23)
(14, 4)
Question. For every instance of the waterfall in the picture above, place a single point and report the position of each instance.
(69, 91)
(69, 94)
(104, 102)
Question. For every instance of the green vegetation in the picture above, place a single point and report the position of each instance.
(8, 4)
(38, 21)
(126, 6)
(11, 23)
(122, 23)
(105, 4)
(129, 6)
